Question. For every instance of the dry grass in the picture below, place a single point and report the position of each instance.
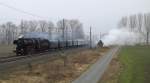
(56, 71)
(6, 50)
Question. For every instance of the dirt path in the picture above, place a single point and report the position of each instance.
(95, 72)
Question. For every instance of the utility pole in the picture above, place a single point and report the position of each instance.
(90, 37)
(72, 33)
(63, 28)
(100, 36)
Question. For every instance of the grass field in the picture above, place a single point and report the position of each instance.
(6, 50)
(136, 64)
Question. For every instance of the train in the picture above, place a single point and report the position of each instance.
(26, 46)
(100, 43)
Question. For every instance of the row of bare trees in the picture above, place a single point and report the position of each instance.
(69, 29)
(138, 23)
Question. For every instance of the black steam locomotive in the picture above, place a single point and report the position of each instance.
(100, 43)
(25, 46)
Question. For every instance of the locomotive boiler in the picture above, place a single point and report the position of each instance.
(26, 46)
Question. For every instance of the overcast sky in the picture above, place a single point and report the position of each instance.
(102, 15)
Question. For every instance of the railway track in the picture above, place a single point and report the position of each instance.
(16, 58)
(13, 63)
(10, 58)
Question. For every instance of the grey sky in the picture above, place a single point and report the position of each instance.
(102, 15)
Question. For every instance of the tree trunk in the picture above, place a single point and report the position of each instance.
(147, 38)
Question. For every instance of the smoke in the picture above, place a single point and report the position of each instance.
(121, 36)
(44, 35)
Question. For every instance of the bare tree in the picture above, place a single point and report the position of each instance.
(50, 28)
(33, 26)
(73, 24)
(140, 22)
(77, 29)
(43, 25)
(132, 22)
(62, 27)
(3, 34)
(69, 29)
(123, 22)
(147, 26)
(10, 31)
(79, 32)
(23, 27)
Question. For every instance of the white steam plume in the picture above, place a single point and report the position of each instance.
(121, 36)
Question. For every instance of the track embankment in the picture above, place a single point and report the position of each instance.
(63, 69)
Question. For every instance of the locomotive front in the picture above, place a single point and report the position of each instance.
(20, 47)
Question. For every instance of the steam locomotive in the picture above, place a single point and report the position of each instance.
(100, 43)
(25, 46)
